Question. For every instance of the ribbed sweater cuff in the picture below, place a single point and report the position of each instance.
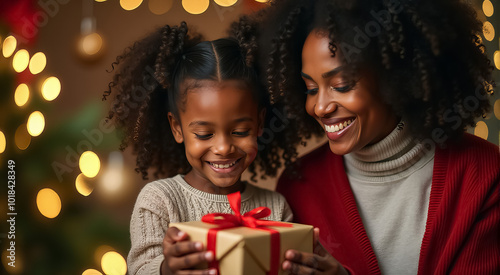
(155, 265)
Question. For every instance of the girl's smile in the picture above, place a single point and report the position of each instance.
(219, 126)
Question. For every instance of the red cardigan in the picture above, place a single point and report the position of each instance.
(462, 233)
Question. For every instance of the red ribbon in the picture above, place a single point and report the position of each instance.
(250, 219)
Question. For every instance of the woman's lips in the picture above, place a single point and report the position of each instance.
(335, 129)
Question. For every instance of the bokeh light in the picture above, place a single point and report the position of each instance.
(3, 142)
(37, 63)
(481, 130)
(36, 123)
(488, 31)
(100, 251)
(496, 59)
(130, 4)
(496, 109)
(19, 266)
(9, 46)
(488, 8)
(160, 7)
(91, 271)
(21, 60)
(51, 88)
(83, 185)
(22, 94)
(89, 164)
(49, 203)
(225, 3)
(195, 6)
(262, 1)
(113, 263)
(91, 44)
(100, 0)
(22, 138)
(112, 180)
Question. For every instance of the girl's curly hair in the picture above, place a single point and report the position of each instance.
(427, 55)
(147, 85)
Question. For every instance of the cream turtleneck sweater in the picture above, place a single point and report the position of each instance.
(391, 181)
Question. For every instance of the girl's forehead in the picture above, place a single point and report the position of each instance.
(199, 85)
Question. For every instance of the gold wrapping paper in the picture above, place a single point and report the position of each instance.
(246, 251)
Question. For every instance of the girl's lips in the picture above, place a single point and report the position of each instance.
(224, 166)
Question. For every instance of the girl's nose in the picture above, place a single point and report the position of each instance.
(222, 145)
(325, 103)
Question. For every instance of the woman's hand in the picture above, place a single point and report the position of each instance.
(181, 254)
(321, 262)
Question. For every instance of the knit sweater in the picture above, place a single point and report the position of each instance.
(463, 218)
(173, 200)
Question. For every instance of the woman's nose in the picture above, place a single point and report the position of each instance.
(325, 103)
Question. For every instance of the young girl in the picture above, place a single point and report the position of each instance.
(399, 188)
(193, 111)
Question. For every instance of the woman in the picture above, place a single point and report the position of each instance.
(399, 188)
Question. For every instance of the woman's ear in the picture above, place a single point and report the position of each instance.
(175, 126)
(262, 119)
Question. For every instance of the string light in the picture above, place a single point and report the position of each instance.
(195, 6)
(37, 63)
(89, 164)
(3, 142)
(21, 60)
(160, 7)
(9, 46)
(91, 271)
(130, 4)
(22, 138)
(83, 185)
(21, 95)
(113, 263)
(488, 8)
(36, 123)
(481, 130)
(51, 88)
(49, 203)
(225, 3)
(488, 31)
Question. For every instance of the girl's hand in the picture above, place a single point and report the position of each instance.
(321, 262)
(181, 254)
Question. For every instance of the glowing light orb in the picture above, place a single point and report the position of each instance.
(49, 203)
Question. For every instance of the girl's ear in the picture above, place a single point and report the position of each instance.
(262, 119)
(176, 128)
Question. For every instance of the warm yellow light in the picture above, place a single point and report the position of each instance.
(488, 8)
(3, 142)
(91, 44)
(89, 164)
(262, 1)
(36, 123)
(225, 3)
(22, 94)
(496, 109)
(488, 31)
(22, 138)
(48, 202)
(91, 271)
(51, 88)
(37, 63)
(160, 7)
(9, 46)
(195, 6)
(100, 251)
(130, 4)
(481, 130)
(21, 60)
(83, 186)
(496, 59)
(113, 263)
(100, 0)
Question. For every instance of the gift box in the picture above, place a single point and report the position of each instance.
(245, 244)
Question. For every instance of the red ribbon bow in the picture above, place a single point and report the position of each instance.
(250, 219)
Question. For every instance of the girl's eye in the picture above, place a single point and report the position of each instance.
(312, 91)
(241, 133)
(203, 137)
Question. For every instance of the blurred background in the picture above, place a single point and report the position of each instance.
(74, 191)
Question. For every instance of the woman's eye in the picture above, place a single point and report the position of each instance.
(241, 133)
(312, 91)
(207, 136)
(343, 89)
